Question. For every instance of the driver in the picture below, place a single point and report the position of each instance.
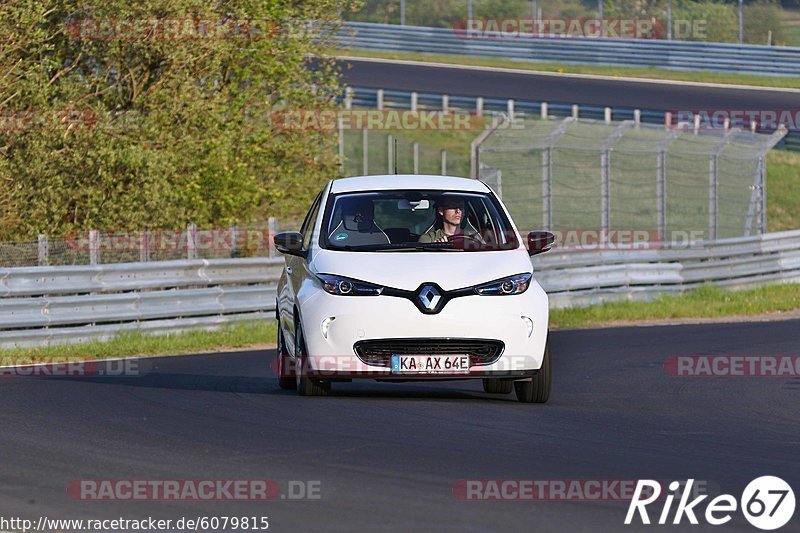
(450, 213)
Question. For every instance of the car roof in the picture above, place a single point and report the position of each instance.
(407, 181)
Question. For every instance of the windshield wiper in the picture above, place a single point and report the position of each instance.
(406, 246)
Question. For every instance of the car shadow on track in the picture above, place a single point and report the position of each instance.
(269, 386)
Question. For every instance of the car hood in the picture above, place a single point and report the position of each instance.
(408, 270)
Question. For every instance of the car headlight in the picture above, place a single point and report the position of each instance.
(342, 286)
(516, 284)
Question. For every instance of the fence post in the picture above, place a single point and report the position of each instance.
(191, 242)
(474, 147)
(763, 191)
(415, 154)
(444, 162)
(144, 246)
(364, 151)
(94, 247)
(547, 187)
(44, 250)
(661, 195)
(272, 228)
(341, 145)
(390, 155)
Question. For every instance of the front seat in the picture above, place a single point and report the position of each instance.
(357, 227)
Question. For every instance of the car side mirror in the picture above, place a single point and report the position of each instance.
(289, 242)
(540, 242)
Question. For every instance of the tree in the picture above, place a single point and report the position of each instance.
(155, 113)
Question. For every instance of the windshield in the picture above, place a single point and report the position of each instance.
(417, 220)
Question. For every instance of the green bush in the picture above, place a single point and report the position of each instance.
(135, 132)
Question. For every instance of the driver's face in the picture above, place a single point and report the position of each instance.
(452, 213)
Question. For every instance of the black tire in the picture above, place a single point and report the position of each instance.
(306, 386)
(286, 379)
(537, 389)
(497, 386)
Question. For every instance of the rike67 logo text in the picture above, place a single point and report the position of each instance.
(767, 503)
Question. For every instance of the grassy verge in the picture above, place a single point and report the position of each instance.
(130, 344)
(706, 302)
(783, 190)
(649, 73)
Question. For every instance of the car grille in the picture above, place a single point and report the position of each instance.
(380, 352)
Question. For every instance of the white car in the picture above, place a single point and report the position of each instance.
(411, 277)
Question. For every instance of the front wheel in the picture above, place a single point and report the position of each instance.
(306, 386)
(537, 389)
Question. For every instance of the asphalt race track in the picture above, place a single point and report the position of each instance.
(388, 455)
(585, 91)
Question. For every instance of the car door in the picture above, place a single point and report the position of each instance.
(296, 272)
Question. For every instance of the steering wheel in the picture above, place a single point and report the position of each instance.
(461, 239)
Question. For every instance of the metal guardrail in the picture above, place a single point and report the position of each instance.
(63, 305)
(579, 278)
(67, 304)
(677, 55)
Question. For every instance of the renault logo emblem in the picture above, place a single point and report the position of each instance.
(429, 297)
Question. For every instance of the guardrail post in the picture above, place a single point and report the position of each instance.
(348, 98)
(94, 247)
(510, 109)
(379, 98)
(637, 116)
(445, 103)
(191, 242)
(364, 151)
(44, 250)
(607, 115)
(543, 110)
(414, 100)
(479, 106)
(444, 162)
(575, 111)
(415, 155)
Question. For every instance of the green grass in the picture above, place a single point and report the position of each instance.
(706, 302)
(649, 73)
(131, 344)
(783, 190)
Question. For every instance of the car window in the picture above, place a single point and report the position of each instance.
(411, 220)
(307, 229)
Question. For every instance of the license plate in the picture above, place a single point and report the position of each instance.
(430, 364)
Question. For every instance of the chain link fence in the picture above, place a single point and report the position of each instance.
(607, 176)
(102, 247)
